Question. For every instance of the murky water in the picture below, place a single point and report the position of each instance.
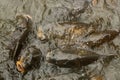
(103, 14)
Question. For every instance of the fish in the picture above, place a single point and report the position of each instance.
(19, 35)
(29, 58)
(100, 37)
(73, 57)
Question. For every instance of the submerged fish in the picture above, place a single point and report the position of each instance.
(98, 38)
(29, 57)
(18, 37)
(72, 57)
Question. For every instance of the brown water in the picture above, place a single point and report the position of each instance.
(45, 13)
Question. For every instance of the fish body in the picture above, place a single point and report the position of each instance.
(98, 38)
(18, 37)
(72, 57)
(29, 57)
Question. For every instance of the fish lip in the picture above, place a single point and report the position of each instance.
(20, 66)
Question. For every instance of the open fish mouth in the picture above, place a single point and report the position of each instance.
(20, 66)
